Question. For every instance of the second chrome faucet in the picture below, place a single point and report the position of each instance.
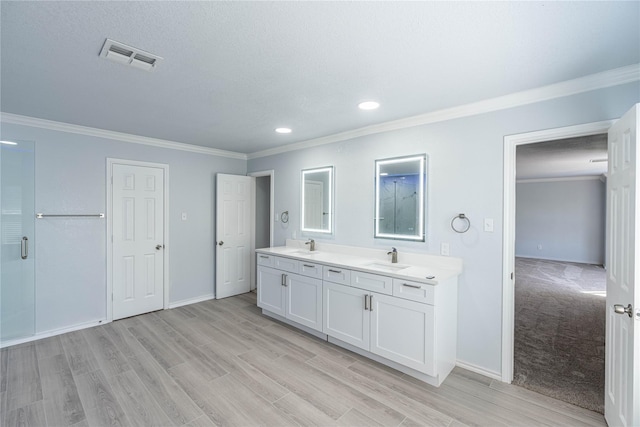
(312, 245)
(394, 255)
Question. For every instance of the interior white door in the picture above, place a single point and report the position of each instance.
(622, 375)
(138, 239)
(233, 233)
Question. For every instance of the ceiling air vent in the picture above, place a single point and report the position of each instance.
(120, 52)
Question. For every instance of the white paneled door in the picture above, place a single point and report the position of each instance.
(138, 239)
(622, 375)
(233, 234)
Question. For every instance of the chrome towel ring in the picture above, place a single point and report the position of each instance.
(460, 223)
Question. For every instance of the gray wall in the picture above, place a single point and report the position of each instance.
(567, 218)
(70, 253)
(465, 158)
(263, 200)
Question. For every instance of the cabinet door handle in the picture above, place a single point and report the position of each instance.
(335, 271)
(24, 247)
(412, 286)
(284, 280)
(370, 302)
(366, 302)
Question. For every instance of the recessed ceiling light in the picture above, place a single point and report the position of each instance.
(8, 142)
(283, 130)
(368, 105)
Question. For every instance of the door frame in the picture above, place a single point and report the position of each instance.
(270, 173)
(511, 142)
(109, 180)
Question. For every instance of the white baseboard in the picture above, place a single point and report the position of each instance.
(190, 301)
(53, 332)
(478, 370)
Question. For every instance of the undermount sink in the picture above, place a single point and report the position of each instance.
(386, 266)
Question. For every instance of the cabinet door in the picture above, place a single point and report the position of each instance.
(345, 317)
(403, 331)
(271, 292)
(304, 301)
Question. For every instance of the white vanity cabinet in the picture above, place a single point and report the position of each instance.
(291, 290)
(410, 325)
(394, 328)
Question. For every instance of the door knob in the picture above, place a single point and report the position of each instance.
(621, 309)
(158, 247)
(220, 243)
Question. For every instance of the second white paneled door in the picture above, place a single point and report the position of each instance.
(138, 239)
(233, 234)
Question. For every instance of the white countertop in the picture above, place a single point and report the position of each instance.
(414, 267)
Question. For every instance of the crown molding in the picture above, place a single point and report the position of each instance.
(609, 78)
(17, 119)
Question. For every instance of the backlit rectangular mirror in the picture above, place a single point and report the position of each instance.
(400, 195)
(317, 200)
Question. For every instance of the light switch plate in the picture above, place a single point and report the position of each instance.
(444, 249)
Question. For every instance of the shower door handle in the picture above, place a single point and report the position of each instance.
(24, 247)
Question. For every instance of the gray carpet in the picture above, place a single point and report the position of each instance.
(559, 330)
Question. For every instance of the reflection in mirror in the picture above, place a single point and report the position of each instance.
(400, 192)
(317, 200)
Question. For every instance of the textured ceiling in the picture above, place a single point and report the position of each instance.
(569, 157)
(233, 71)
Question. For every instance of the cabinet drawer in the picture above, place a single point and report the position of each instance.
(286, 264)
(371, 282)
(310, 269)
(336, 275)
(266, 260)
(414, 291)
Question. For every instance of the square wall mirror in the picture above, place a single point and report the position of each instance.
(400, 196)
(317, 200)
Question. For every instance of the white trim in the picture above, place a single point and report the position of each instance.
(563, 178)
(509, 222)
(190, 301)
(54, 332)
(270, 173)
(609, 78)
(17, 119)
(478, 370)
(109, 173)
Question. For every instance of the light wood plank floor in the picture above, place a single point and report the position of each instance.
(223, 363)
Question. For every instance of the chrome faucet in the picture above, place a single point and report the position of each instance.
(394, 255)
(312, 245)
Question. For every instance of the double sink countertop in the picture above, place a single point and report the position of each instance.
(424, 268)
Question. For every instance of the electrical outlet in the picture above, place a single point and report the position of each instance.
(444, 249)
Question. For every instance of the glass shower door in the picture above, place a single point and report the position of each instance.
(17, 240)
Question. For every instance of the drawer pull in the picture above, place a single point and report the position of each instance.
(309, 266)
(335, 271)
(264, 257)
(412, 286)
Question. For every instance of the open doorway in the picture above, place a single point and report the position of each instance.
(262, 216)
(560, 282)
